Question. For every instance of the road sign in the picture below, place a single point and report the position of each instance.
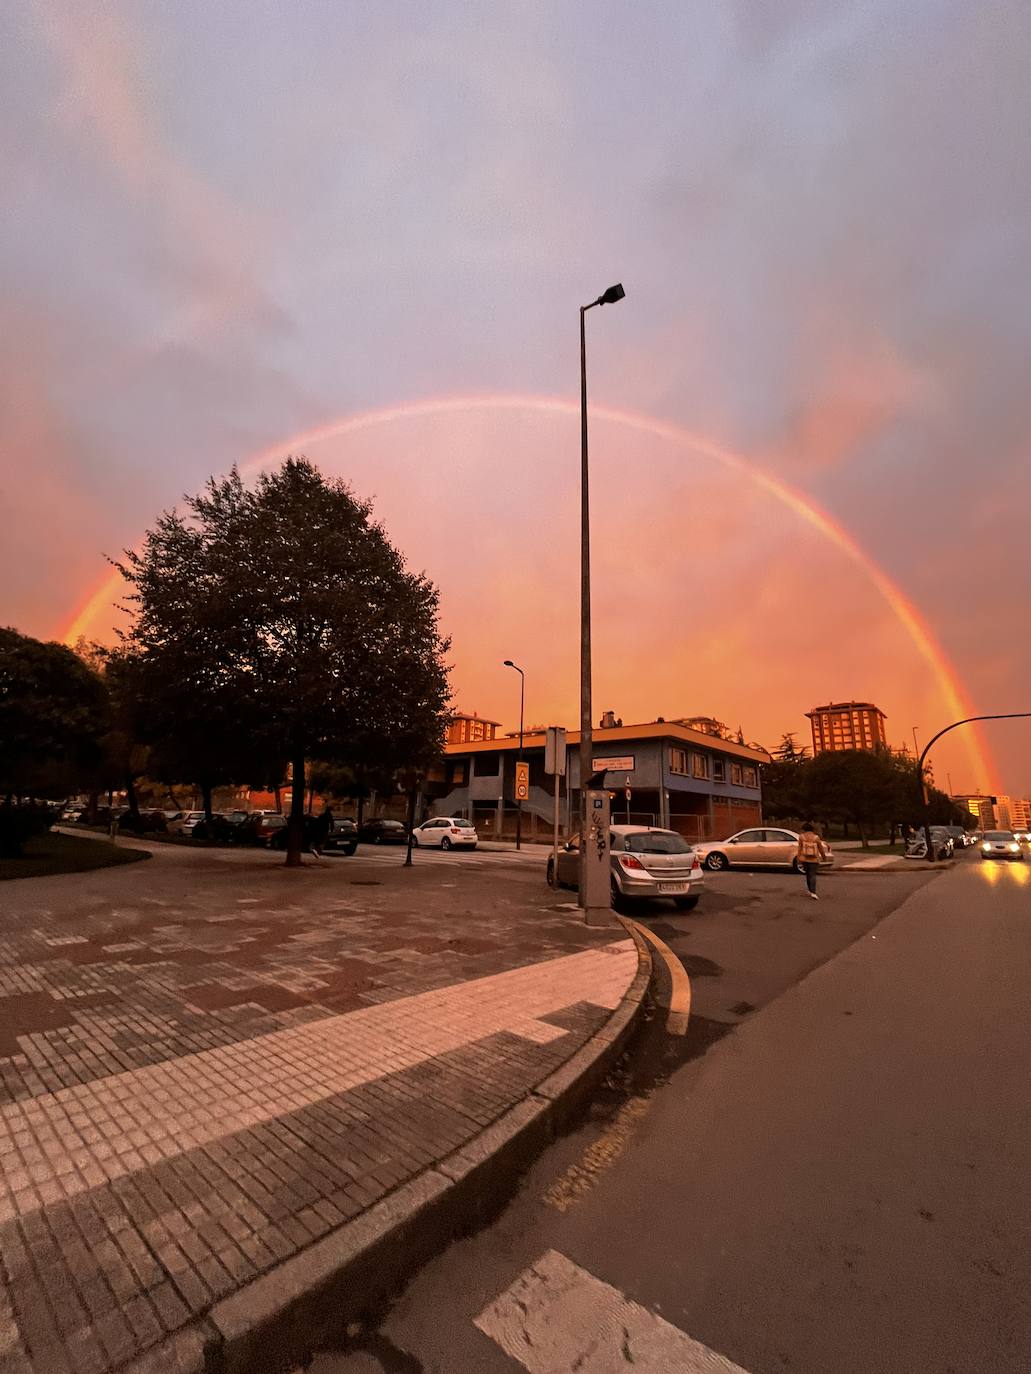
(522, 781)
(555, 751)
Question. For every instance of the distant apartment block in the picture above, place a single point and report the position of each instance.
(472, 729)
(1013, 813)
(847, 725)
(980, 806)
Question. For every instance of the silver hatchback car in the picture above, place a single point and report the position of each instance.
(646, 863)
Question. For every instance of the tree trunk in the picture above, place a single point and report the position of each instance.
(361, 807)
(295, 829)
(205, 791)
(173, 798)
(864, 838)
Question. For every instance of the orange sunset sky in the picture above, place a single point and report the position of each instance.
(363, 232)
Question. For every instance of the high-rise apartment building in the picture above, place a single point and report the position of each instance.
(980, 806)
(847, 725)
(1013, 813)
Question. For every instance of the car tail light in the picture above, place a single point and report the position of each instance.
(455, 831)
(628, 861)
(696, 863)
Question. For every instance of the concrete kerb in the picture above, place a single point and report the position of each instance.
(275, 1321)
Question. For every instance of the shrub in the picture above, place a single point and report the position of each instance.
(19, 823)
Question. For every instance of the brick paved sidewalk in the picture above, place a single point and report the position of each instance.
(206, 1064)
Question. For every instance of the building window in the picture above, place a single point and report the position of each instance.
(735, 774)
(719, 771)
(749, 776)
(678, 762)
(699, 766)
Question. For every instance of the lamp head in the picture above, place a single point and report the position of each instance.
(612, 295)
(509, 663)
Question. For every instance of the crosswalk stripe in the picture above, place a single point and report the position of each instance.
(556, 1317)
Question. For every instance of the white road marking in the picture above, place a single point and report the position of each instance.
(556, 1317)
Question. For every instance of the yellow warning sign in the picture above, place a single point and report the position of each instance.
(522, 781)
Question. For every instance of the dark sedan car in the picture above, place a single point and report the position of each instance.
(383, 832)
(342, 839)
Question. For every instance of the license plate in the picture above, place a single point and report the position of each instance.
(673, 887)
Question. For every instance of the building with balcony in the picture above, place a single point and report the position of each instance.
(463, 729)
(847, 725)
(678, 778)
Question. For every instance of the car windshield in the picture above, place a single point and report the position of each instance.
(274, 822)
(997, 835)
(656, 842)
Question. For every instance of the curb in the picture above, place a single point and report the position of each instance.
(276, 1320)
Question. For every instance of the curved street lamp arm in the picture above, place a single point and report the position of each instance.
(1008, 715)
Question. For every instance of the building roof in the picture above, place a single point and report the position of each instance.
(622, 734)
(846, 706)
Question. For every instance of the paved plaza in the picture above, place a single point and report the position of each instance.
(207, 1063)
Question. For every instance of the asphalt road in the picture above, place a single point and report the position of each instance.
(839, 1184)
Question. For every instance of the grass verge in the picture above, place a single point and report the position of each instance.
(49, 854)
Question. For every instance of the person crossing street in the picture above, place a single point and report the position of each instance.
(811, 849)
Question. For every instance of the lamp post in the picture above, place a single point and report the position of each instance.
(609, 297)
(519, 756)
(924, 800)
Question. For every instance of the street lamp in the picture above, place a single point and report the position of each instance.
(609, 297)
(519, 757)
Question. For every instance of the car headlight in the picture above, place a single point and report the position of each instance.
(986, 845)
(1015, 848)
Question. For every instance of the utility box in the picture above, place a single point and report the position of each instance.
(596, 861)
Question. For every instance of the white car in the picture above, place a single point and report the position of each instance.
(185, 823)
(769, 847)
(446, 832)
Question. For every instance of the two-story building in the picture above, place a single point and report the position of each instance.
(680, 778)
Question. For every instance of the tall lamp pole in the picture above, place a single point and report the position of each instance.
(1008, 715)
(609, 297)
(519, 756)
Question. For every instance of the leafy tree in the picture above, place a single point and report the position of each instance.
(287, 604)
(53, 712)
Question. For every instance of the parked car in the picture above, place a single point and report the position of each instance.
(940, 838)
(646, 863)
(342, 839)
(1001, 844)
(960, 837)
(72, 812)
(446, 832)
(185, 823)
(382, 831)
(262, 827)
(768, 847)
(220, 829)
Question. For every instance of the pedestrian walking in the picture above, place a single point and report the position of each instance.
(811, 849)
(321, 829)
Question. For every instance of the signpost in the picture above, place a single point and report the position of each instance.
(555, 763)
(628, 799)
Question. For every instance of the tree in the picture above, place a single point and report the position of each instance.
(788, 750)
(53, 712)
(287, 604)
(858, 785)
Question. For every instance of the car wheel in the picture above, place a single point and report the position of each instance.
(619, 902)
(686, 903)
(415, 841)
(716, 861)
(445, 843)
(351, 848)
(377, 839)
(796, 867)
(551, 873)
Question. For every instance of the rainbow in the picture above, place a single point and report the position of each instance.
(920, 634)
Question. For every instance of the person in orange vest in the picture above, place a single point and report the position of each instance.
(811, 849)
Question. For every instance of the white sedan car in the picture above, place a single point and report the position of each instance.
(446, 832)
(185, 823)
(766, 848)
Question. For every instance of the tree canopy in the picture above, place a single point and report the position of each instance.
(283, 617)
(53, 712)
